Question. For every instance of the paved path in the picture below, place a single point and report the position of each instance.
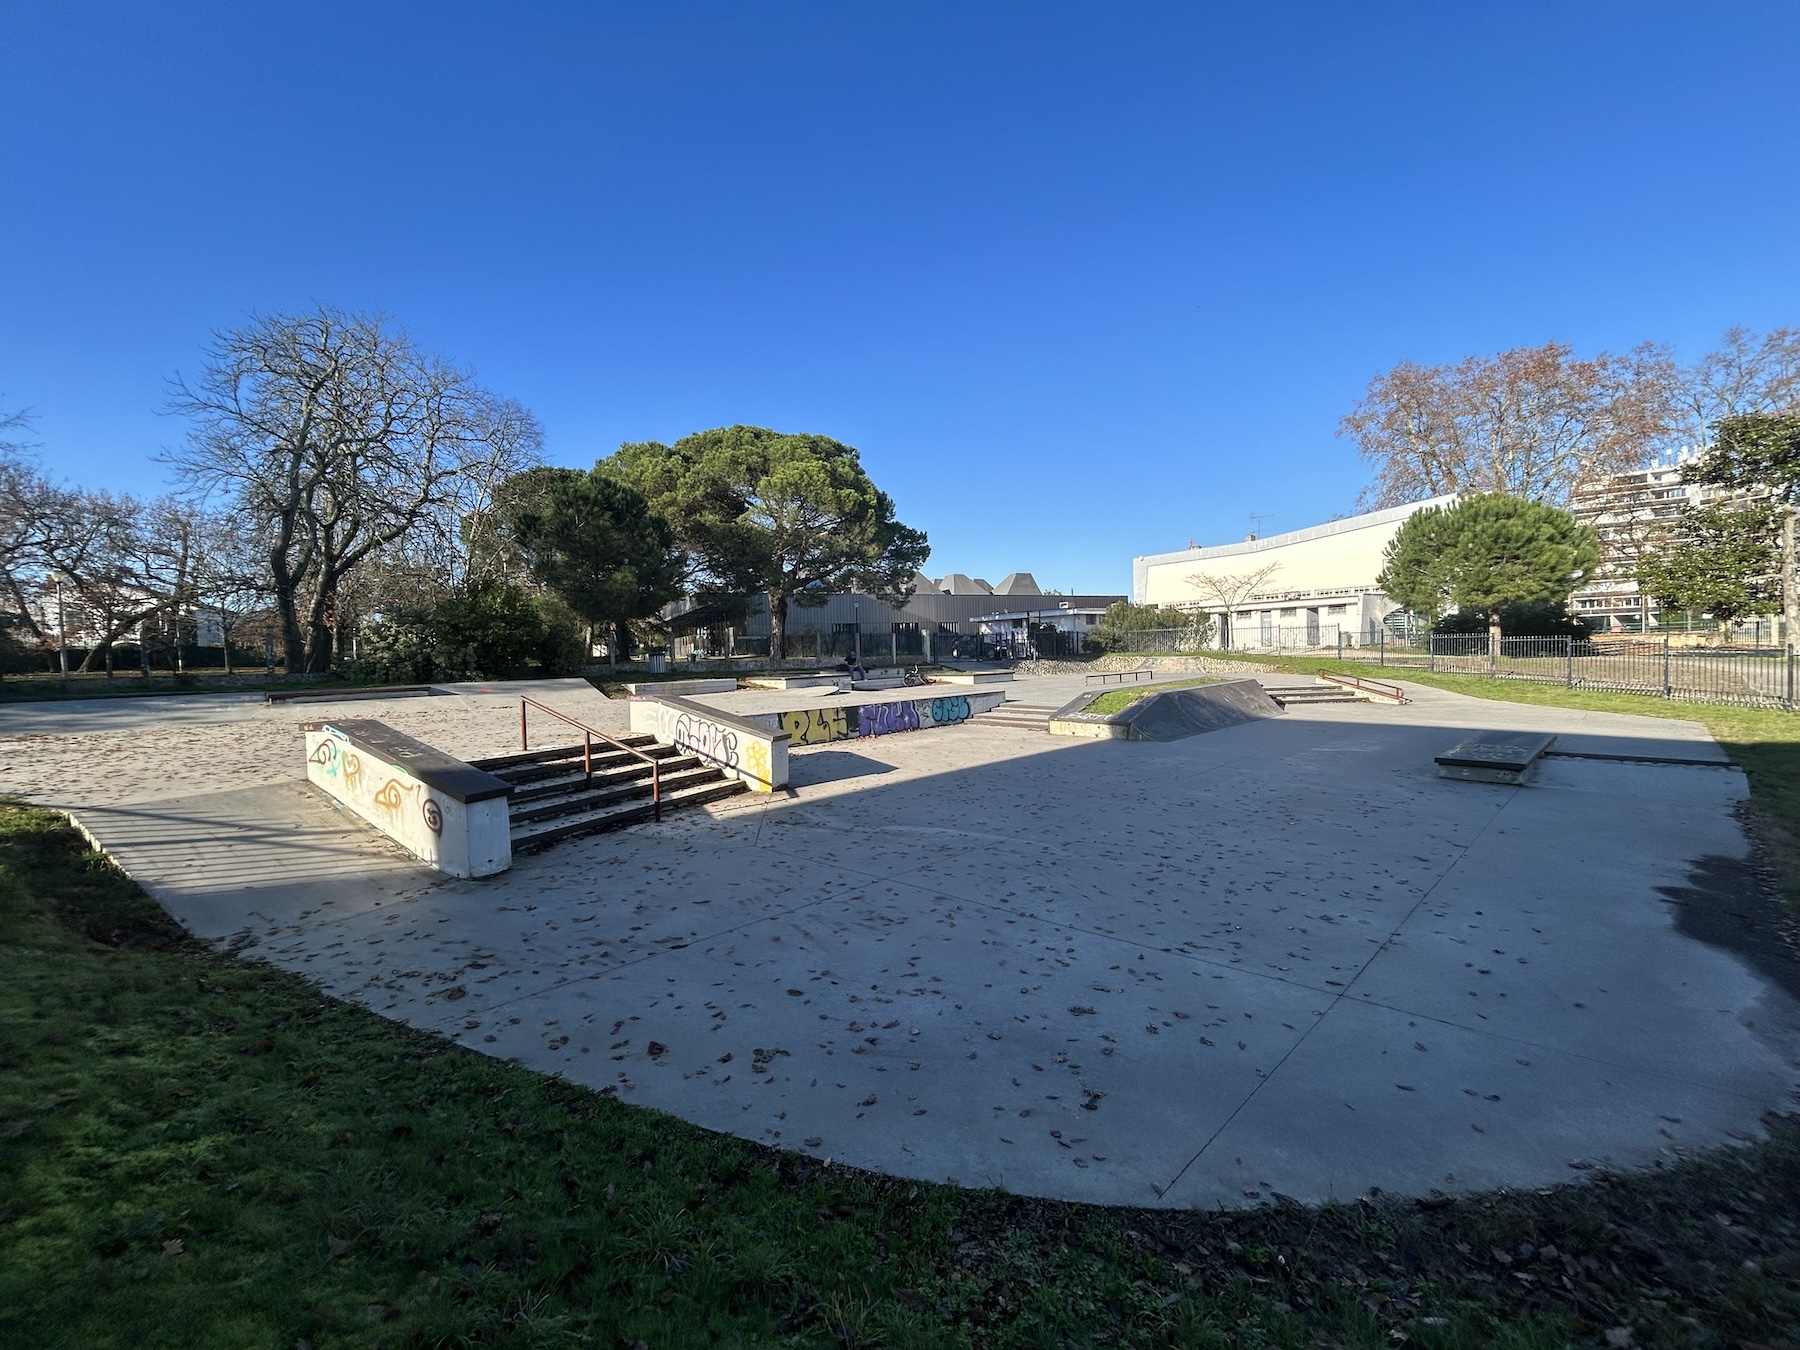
(1281, 958)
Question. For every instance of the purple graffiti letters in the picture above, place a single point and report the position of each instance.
(883, 719)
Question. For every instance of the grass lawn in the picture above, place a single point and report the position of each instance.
(1117, 700)
(198, 1150)
(1764, 742)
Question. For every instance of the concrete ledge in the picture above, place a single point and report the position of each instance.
(1171, 715)
(819, 681)
(744, 748)
(680, 688)
(441, 810)
(845, 722)
(972, 677)
(328, 695)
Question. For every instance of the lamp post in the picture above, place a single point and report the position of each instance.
(62, 627)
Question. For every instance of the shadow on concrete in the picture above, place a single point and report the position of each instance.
(1727, 904)
(811, 767)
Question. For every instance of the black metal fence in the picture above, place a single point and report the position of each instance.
(1762, 677)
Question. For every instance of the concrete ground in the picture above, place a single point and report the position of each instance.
(1281, 958)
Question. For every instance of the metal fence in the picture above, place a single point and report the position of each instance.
(1762, 677)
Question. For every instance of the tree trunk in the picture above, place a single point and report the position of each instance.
(109, 659)
(225, 644)
(1494, 632)
(619, 643)
(777, 626)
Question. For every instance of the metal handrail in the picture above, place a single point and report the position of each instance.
(587, 749)
(1120, 675)
(1376, 687)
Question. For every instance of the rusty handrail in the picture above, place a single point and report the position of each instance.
(587, 749)
(1376, 687)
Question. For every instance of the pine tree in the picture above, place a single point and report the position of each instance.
(1487, 553)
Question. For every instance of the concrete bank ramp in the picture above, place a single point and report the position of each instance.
(1172, 714)
(1189, 712)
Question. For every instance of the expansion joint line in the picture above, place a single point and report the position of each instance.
(1339, 997)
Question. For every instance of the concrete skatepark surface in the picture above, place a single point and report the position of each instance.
(1280, 958)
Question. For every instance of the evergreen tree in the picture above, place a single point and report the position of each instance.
(1722, 560)
(1487, 553)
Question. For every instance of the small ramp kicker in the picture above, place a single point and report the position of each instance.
(1171, 715)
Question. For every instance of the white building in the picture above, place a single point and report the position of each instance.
(1630, 511)
(1304, 588)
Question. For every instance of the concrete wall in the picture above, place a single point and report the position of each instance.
(844, 722)
(431, 820)
(740, 747)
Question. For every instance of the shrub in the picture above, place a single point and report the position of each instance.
(489, 631)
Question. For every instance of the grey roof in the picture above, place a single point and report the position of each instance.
(1018, 583)
(957, 583)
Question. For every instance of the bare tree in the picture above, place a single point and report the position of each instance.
(1231, 589)
(339, 439)
(231, 574)
(1747, 374)
(1531, 422)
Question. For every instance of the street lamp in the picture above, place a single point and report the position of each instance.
(62, 628)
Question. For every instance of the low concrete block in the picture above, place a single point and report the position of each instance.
(441, 810)
(681, 688)
(740, 747)
(972, 677)
(1494, 757)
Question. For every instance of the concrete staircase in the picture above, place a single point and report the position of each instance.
(1307, 694)
(553, 799)
(1024, 716)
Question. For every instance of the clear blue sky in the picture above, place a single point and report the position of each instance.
(1080, 281)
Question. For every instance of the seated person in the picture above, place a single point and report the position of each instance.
(853, 664)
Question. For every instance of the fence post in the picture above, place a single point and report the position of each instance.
(1382, 647)
(1431, 651)
(1668, 692)
(1493, 655)
(1790, 674)
(1340, 643)
(1569, 648)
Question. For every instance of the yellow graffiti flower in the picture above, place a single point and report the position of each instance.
(756, 760)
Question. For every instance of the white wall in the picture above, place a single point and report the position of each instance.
(1341, 557)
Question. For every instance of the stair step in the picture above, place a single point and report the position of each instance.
(572, 779)
(585, 799)
(564, 764)
(494, 763)
(630, 812)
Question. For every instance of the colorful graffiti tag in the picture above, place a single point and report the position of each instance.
(815, 726)
(884, 719)
(948, 711)
(820, 726)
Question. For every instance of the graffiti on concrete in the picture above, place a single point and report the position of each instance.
(815, 726)
(709, 740)
(756, 763)
(883, 719)
(821, 726)
(946, 711)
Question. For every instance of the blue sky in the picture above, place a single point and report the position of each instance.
(1080, 281)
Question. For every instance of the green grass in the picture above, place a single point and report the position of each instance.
(197, 1150)
(1117, 700)
(1764, 742)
